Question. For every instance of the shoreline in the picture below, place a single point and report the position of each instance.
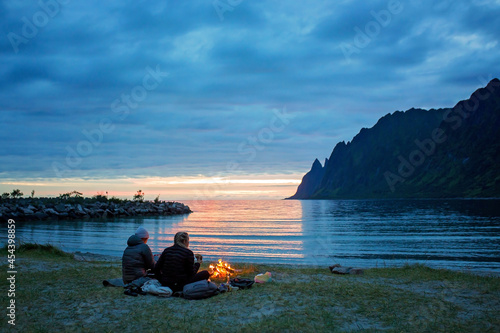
(402, 299)
(89, 256)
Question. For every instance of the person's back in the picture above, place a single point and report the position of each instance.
(137, 257)
(176, 266)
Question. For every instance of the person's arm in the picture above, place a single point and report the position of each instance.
(196, 267)
(190, 265)
(158, 265)
(149, 260)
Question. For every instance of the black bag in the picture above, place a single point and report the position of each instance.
(241, 283)
(200, 290)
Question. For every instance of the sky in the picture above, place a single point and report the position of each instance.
(223, 99)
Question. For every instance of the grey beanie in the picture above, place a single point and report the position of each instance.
(142, 233)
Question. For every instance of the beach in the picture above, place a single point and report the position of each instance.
(56, 291)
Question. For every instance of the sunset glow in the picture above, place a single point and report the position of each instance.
(168, 188)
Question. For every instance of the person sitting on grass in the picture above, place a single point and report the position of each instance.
(137, 258)
(177, 267)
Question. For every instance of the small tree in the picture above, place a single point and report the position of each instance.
(139, 196)
(157, 199)
(32, 194)
(76, 194)
(5, 195)
(16, 193)
(100, 198)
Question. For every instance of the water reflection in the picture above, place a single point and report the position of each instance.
(444, 233)
(367, 233)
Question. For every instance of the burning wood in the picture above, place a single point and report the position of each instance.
(221, 270)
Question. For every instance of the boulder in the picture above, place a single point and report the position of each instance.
(341, 270)
(50, 211)
(40, 215)
(338, 269)
(60, 208)
(79, 208)
(26, 211)
(356, 271)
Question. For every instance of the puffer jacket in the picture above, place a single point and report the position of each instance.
(176, 267)
(137, 259)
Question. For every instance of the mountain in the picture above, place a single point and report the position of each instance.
(311, 180)
(418, 153)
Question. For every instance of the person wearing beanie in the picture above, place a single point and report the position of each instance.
(137, 258)
(142, 234)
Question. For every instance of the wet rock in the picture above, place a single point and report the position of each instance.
(40, 215)
(60, 208)
(50, 211)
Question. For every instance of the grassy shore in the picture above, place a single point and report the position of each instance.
(55, 292)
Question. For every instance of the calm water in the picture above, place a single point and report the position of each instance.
(457, 234)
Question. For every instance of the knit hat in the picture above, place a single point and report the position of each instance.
(142, 233)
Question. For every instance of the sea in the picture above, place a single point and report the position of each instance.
(460, 234)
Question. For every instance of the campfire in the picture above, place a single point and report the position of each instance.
(221, 270)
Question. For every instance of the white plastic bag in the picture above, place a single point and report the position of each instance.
(154, 287)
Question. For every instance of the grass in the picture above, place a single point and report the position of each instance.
(37, 250)
(57, 293)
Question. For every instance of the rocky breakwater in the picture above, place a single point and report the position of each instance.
(28, 209)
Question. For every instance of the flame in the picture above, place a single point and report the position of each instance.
(221, 269)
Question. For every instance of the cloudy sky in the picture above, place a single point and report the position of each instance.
(219, 99)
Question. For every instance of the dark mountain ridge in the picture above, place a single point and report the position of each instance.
(417, 154)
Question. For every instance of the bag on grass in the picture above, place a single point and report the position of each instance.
(263, 278)
(241, 283)
(200, 289)
(154, 287)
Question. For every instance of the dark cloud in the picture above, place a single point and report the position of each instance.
(229, 73)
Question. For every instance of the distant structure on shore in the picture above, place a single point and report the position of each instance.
(26, 209)
(418, 153)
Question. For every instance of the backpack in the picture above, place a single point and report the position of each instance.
(199, 290)
(241, 283)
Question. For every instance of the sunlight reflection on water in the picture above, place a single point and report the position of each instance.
(366, 233)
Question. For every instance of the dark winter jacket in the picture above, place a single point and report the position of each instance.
(176, 267)
(137, 259)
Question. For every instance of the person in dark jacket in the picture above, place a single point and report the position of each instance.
(177, 267)
(137, 257)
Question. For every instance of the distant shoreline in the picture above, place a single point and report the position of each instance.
(80, 208)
